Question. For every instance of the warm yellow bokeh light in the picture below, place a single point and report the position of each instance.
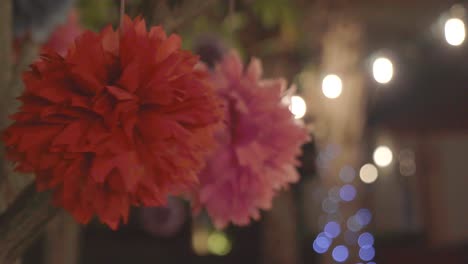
(219, 244)
(368, 173)
(382, 69)
(297, 107)
(383, 156)
(332, 86)
(200, 242)
(455, 31)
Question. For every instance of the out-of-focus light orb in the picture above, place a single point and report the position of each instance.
(366, 240)
(455, 32)
(363, 216)
(348, 193)
(347, 174)
(353, 224)
(200, 242)
(317, 248)
(368, 173)
(297, 107)
(334, 193)
(332, 229)
(382, 69)
(407, 167)
(219, 244)
(322, 241)
(383, 156)
(340, 253)
(407, 162)
(367, 254)
(332, 86)
(329, 206)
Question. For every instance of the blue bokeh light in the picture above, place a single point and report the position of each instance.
(323, 240)
(340, 253)
(348, 193)
(363, 216)
(366, 240)
(318, 249)
(367, 254)
(347, 174)
(332, 229)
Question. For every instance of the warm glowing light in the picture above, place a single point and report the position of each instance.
(455, 31)
(383, 156)
(297, 107)
(368, 173)
(200, 242)
(332, 86)
(219, 244)
(382, 70)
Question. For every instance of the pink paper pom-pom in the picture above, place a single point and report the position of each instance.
(258, 148)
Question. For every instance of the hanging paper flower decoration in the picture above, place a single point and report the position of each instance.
(258, 148)
(64, 35)
(38, 18)
(123, 119)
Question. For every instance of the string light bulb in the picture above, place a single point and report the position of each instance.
(297, 106)
(332, 86)
(383, 156)
(382, 69)
(368, 173)
(455, 32)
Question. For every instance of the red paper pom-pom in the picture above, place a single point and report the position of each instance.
(123, 119)
(258, 148)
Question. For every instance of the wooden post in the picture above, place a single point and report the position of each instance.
(62, 240)
(5, 43)
(280, 244)
(5, 77)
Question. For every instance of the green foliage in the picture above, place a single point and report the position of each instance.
(274, 13)
(96, 14)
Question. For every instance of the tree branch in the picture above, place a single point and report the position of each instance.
(23, 222)
(5, 53)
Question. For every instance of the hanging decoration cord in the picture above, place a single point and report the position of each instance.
(122, 12)
(232, 7)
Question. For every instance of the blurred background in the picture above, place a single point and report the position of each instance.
(382, 87)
